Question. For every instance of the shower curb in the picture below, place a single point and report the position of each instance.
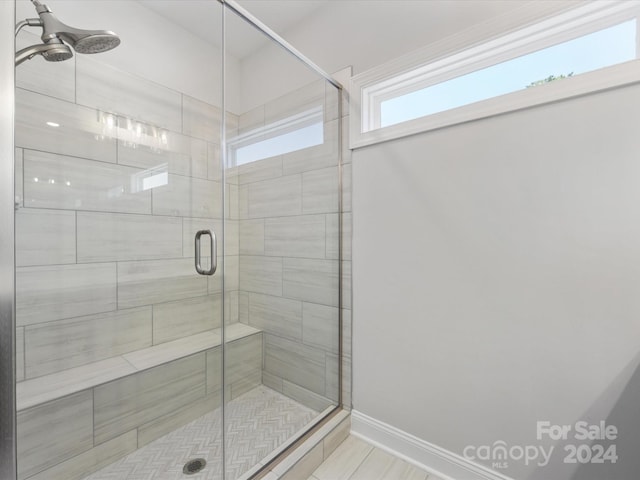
(308, 456)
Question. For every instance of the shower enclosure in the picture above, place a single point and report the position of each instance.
(171, 291)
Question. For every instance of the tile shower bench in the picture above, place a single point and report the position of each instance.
(89, 416)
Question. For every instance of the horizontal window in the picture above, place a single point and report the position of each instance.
(294, 133)
(471, 83)
(600, 49)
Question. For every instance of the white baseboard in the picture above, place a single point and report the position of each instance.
(435, 460)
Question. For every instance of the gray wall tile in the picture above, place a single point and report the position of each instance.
(85, 339)
(80, 466)
(19, 354)
(135, 400)
(180, 154)
(188, 197)
(333, 237)
(311, 280)
(320, 326)
(45, 237)
(104, 237)
(243, 307)
(274, 198)
(295, 362)
(261, 275)
(214, 163)
(53, 432)
(245, 384)
(260, 170)
(332, 377)
(57, 181)
(109, 89)
(346, 332)
(62, 291)
(320, 191)
(231, 267)
(244, 364)
(346, 284)
(155, 281)
(201, 119)
(232, 207)
(19, 177)
(214, 371)
(182, 318)
(346, 187)
(299, 236)
(276, 315)
(231, 308)
(80, 134)
(272, 381)
(232, 242)
(252, 237)
(161, 426)
(243, 202)
(306, 397)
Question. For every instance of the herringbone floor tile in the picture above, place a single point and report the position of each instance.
(257, 423)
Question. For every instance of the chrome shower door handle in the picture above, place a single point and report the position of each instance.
(214, 253)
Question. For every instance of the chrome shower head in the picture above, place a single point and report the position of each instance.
(51, 52)
(83, 41)
(96, 42)
(54, 32)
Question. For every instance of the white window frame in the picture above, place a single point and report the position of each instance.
(474, 50)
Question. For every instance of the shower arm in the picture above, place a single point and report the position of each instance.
(33, 22)
(29, 22)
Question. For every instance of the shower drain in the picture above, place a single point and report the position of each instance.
(194, 466)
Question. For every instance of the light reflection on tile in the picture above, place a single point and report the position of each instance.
(80, 132)
(57, 181)
(107, 88)
(182, 155)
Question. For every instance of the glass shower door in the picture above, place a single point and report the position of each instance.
(282, 251)
(118, 166)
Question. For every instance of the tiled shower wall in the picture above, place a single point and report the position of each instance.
(94, 241)
(289, 252)
(114, 174)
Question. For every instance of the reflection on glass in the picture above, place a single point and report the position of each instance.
(132, 133)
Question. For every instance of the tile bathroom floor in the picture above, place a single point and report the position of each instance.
(258, 422)
(356, 459)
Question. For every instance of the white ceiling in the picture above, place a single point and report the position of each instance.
(203, 19)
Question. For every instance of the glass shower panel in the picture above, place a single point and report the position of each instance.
(117, 167)
(283, 170)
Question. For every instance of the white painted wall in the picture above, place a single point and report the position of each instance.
(496, 277)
